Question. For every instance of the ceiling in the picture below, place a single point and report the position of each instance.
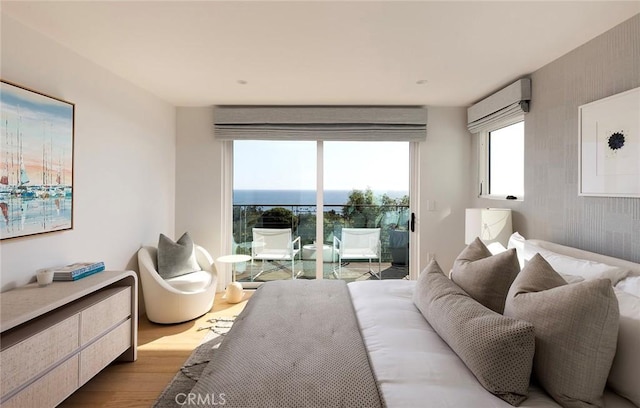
(198, 53)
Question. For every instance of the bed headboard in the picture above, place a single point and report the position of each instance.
(591, 256)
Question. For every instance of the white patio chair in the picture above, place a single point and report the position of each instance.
(274, 244)
(358, 244)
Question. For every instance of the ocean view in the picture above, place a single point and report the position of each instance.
(299, 197)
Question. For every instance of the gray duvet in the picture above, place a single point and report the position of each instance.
(296, 344)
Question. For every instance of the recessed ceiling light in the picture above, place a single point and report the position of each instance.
(241, 82)
(421, 82)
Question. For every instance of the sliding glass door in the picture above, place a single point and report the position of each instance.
(363, 186)
(274, 187)
(366, 190)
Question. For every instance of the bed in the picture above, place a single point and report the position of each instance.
(295, 345)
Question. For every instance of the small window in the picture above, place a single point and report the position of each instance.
(502, 162)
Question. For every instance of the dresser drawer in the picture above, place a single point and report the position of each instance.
(106, 313)
(47, 333)
(35, 354)
(50, 390)
(99, 354)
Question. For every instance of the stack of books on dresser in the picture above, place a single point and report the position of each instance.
(77, 271)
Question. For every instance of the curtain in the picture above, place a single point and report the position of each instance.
(508, 103)
(353, 123)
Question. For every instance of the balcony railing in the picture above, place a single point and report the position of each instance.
(393, 220)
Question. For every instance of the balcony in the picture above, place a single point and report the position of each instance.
(393, 220)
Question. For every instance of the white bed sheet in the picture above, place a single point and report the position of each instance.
(414, 367)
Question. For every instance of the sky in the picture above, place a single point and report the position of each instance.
(284, 165)
(507, 153)
(44, 128)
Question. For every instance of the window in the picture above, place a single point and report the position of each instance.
(502, 161)
(316, 214)
(363, 185)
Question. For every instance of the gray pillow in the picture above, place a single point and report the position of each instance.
(497, 349)
(485, 277)
(176, 258)
(576, 331)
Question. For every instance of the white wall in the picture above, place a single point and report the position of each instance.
(199, 181)
(444, 182)
(444, 173)
(124, 172)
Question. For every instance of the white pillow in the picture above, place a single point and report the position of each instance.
(517, 241)
(567, 265)
(496, 248)
(625, 371)
(631, 285)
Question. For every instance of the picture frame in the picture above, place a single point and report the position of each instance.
(609, 156)
(36, 162)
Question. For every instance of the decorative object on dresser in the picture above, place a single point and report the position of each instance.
(76, 270)
(185, 295)
(37, 162)
(44, 277)
(54, 339)
(488, 224)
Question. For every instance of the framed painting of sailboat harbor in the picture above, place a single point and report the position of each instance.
(36, 162)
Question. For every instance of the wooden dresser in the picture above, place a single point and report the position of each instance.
(54, 339)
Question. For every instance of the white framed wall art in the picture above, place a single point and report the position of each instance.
(609, 131)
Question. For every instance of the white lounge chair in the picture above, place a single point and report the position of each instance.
(178, 299)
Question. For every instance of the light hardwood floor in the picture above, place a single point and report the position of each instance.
(162, 349)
